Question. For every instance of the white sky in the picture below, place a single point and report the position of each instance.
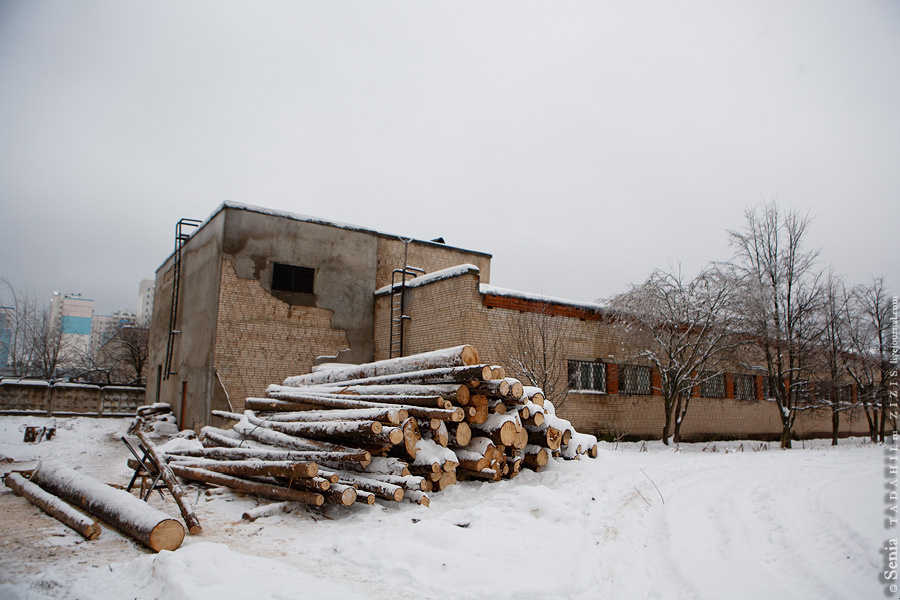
(582, 143)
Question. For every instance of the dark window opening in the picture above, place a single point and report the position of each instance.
(288, 278)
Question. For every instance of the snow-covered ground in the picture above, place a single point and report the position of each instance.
(739, 522)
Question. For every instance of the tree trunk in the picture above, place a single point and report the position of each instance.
(680, 412)
(835, 425)
(53, 506)
(187, 511)
(263, 490)
(153, 528)
(669, 406)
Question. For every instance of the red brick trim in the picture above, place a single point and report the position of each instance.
(612, 378)
(729, 385)
(550, 308)
(655, 382)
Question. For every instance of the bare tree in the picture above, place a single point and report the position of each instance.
(832, 353)
(533, 349)
(688, 327)
(130, 345)
(780, 295)
(34, 343)
(869, 314)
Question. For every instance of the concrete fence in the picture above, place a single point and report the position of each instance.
(19, 396)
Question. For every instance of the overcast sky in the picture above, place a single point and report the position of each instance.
(582, 143)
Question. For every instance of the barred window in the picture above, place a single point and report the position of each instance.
(745, 387)
(767, 387)
(712, 385)
(634, 380)
(587, 375)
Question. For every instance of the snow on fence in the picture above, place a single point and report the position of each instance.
(19, 396)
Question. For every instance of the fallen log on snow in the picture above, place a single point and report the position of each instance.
(53, 506)
(153, 528)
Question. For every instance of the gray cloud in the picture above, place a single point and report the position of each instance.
(582, 143)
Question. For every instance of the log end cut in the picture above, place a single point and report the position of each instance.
(167, 535)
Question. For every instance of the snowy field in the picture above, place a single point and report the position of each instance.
(738, 522)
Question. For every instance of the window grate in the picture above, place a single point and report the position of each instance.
(634, 380)
(587, 375)
(745, 387)
(712, 385)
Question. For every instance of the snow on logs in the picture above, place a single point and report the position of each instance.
(153, 528)
(394, 429)
(53, 506)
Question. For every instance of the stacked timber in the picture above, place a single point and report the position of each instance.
(395, 429)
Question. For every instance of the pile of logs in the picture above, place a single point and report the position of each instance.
(396, 429)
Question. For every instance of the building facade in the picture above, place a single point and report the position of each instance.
(71, 317)
(255, 296)
(144, 302)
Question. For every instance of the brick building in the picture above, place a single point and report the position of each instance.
(262, 295)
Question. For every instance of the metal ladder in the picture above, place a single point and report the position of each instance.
(398, 307)
(181, 236)
(398, 300)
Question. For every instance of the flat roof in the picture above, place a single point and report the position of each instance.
(327, 223)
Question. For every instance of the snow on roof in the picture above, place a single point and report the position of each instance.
(320, 221)
(434, 276)
(495, 291)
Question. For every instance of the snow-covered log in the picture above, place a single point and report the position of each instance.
(263, 490)
(428, 377)
(258, 431)
(267, 510)
(417, 497)
(548, 437)
(407, 482)
(187, 511)
(533, 394)
(502, 428)
(340, 493)
(448, 357)
(454, 392)
(315, 430)
(264, 454)
(251, 468)
(389, 416)
(303, 397)
(53, 506)
(459, 434)
(153, 528)
(536, 457)
(382, 489)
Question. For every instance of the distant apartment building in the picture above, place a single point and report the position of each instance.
(71, 315)
(145, 302)
(104, 327)
(6, 317)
